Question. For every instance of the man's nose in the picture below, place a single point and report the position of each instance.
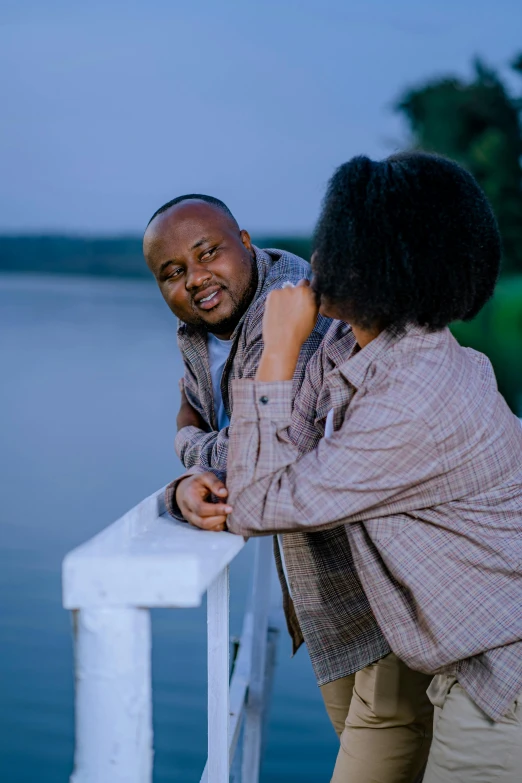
(196, 277)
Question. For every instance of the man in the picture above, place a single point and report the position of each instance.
(216, 282)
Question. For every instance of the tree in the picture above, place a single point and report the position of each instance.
(478, 124)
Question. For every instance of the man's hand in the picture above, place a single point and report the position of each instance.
(289, 319)
(193, 496)
(188, 416)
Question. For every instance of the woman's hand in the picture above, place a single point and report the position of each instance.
(289, 319)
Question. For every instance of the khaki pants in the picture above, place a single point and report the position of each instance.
(384, 720)
(469, 746)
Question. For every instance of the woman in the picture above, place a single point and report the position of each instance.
(422, 459)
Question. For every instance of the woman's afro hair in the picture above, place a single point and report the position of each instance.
(411, 239)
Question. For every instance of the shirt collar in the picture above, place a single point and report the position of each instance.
(354, 366)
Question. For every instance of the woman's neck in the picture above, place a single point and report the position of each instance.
(365, 336)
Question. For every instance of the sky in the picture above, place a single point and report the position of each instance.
(109, 109)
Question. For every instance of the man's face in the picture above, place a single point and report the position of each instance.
(203, 264)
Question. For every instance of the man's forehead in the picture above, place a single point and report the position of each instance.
(188, 217)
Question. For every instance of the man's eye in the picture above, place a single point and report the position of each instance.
(207, 255)
(175, 273)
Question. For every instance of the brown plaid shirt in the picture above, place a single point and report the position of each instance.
(423, 473)
(329, 607)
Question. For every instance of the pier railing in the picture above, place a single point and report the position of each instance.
(147, 560)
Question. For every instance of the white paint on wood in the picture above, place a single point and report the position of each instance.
(218, 674)
(113, 696)
(239, 684)
(238, 690)
(261, 591)
(271, 657)
(146, 559)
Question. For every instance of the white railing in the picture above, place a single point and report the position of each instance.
(146, 560)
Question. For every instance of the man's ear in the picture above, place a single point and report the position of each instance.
(245, 238)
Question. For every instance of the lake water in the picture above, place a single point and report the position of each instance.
(88, 402)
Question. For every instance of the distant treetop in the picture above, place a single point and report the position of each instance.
(478, 124)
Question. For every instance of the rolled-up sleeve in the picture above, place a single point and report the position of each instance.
(382, 460)
(207, 450)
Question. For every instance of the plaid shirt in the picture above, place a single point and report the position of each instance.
(209, 450)
(423, 472)
(329, 607)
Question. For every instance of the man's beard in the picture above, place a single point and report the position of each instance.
(229, 323)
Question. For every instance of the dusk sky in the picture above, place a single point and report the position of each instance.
(110, 109)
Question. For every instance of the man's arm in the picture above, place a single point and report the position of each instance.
(193, 431)
(204, 453)
(208, 450)
(188, 416)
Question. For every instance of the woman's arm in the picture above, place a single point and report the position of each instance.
(381, 460)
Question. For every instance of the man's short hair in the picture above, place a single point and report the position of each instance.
(195, 197)
(411, 239)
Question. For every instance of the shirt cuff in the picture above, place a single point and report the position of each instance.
(254, 400)
(184, 435)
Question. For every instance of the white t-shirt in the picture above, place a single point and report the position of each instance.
(218, 353)
(328, 432)
(328, 425)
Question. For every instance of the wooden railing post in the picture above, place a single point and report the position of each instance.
(256, 691)
(218, 673)
(113, 696)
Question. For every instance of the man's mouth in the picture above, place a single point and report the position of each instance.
(210, 300)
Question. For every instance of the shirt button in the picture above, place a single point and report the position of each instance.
(263, 399)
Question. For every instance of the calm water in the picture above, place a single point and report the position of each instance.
(88, 401)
